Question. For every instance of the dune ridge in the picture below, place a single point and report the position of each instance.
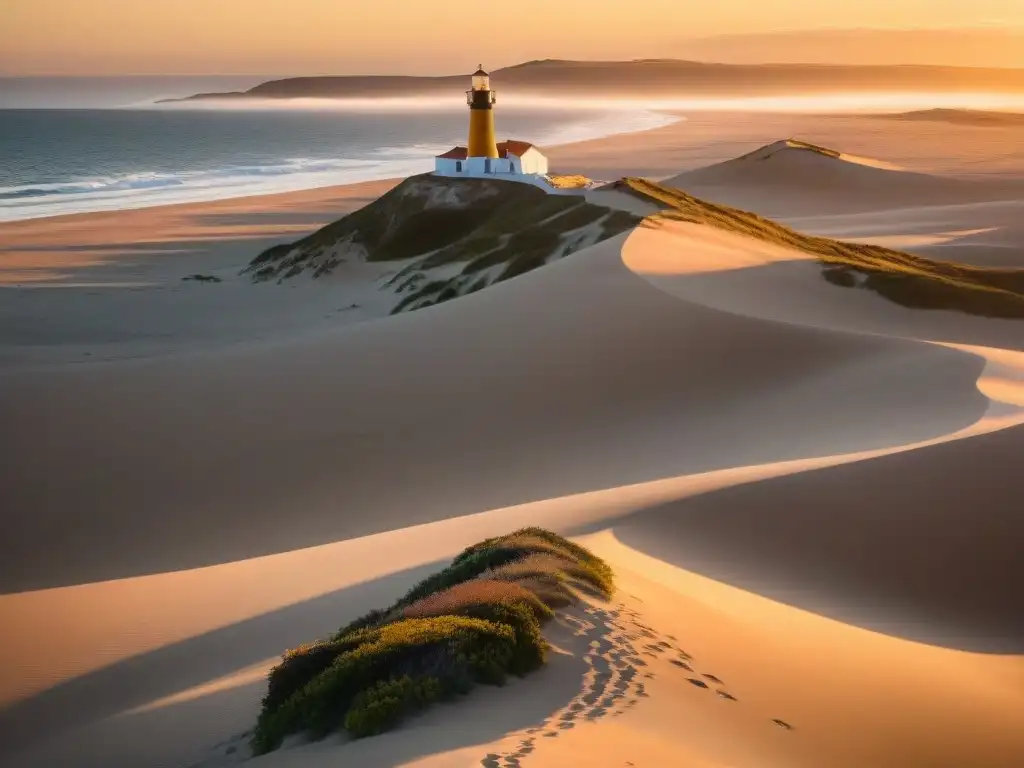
(797, 178)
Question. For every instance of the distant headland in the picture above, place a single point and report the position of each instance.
(647, 77)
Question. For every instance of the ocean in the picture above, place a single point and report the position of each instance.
(58, 161)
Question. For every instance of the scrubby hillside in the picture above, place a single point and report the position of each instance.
(448, 237)
(913, 281)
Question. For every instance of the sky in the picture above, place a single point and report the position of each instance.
(116, 37)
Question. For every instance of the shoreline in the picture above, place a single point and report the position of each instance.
(724, 135)
(608, 124)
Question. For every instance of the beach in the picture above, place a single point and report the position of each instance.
(809, 488)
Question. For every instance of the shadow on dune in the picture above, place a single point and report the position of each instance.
(923, 545)
(111, 692)
(437, 414)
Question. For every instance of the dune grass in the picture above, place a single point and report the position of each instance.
(475, 622)
(905, 279)
(568, 181)
(475, 592)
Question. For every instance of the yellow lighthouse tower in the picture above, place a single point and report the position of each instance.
(482, 141)
(485, 157)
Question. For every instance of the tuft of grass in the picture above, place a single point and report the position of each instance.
(550, 589)
(539, 564)
(453, 600)
(568, 181)
(538, 541)
(455, 629)
(905, 279)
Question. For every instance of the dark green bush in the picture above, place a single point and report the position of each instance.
(450, 632)
(452, 649)
(382, 706)
(529, 650)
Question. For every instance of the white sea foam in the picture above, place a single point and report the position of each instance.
(144, 189)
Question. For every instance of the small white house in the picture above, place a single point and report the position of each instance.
(515, 158)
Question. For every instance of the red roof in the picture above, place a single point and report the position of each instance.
(505, 148)
(517, 148)
(455, 153)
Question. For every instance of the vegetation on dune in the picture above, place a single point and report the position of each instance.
(561, 226)
(568, 181)
(475, 622)
(475, 592)
(458, 235)
(905, 279)
(451, 220)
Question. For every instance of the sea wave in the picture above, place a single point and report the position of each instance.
(144, 189)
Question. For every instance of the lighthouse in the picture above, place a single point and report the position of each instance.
(485, 156)
(481, 98)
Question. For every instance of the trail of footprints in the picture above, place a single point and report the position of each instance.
(615, 680)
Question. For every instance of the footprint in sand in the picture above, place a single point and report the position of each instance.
(610, 686)
(696, 682)
(783, 725)
(682, 665)
(713, 679)
(725, 695)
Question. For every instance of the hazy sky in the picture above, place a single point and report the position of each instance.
(416, 36)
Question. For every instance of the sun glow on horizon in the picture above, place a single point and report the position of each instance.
(118, 37)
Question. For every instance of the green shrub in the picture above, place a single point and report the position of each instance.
(382, 706)
(530, 649)
(451, 631)
(456, 650)
(298, 666)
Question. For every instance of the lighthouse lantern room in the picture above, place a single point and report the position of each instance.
(484, 155)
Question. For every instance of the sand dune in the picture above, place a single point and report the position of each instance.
(488, 383)
(806, 492)
(794, 178)
(983, 234)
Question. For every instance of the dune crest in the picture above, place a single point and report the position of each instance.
(797, 178)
